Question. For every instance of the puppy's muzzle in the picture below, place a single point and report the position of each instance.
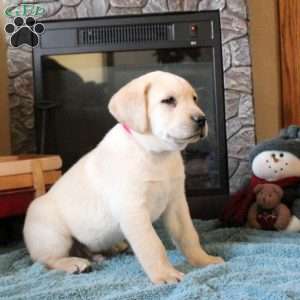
(200, 121)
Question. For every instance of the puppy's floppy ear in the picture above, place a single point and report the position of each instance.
(129, 104)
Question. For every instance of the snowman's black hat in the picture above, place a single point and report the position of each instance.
(288, 141)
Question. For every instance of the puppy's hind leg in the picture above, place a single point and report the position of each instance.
(73, 265)
(51, 247)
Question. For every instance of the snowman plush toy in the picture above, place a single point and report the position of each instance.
(275, 161)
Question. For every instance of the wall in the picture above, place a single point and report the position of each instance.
(265, 53)
(236, 59)
(4, 111)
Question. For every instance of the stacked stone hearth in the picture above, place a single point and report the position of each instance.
(236, 61)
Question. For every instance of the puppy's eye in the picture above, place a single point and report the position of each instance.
(195, 99)
(281, 155)
(169, 101)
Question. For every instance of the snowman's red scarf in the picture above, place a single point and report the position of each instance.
(236, 210)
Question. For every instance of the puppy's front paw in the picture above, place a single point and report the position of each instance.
(166, 275)
(202, 261)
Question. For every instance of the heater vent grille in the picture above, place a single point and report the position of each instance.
(125, 34)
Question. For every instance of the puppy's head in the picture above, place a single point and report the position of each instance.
(163, 105)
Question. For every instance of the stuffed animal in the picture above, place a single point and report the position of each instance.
(267, 212)
(274, 161)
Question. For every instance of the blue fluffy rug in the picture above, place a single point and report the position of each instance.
(259, 265)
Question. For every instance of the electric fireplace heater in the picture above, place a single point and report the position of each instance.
(79, 64)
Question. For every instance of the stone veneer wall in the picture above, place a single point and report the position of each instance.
(236, 60)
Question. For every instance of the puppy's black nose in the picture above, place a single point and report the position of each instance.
(200, 120)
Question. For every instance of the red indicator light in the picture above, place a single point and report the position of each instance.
(194, 28)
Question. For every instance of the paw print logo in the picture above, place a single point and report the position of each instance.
(24, 31)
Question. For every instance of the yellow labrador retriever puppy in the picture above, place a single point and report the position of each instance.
(130, 179)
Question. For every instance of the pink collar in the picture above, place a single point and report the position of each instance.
(127, 128)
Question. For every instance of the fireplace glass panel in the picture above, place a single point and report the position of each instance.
(80, 86)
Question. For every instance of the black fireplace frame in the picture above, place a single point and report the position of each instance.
(76, 36)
